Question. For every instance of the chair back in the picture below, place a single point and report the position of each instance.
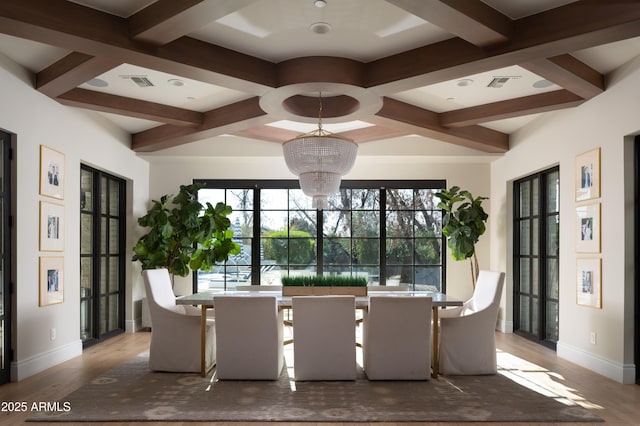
(488, 290)
(324, 338)
(397, 338)
(249, 337)
(159, 289)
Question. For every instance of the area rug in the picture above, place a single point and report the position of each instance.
(130, 392)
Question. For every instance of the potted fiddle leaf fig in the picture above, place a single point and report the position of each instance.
(463, 224)
(183, 234)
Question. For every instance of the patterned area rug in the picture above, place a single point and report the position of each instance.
(130, 392)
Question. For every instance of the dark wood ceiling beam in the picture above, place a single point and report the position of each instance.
(104, 102)
(268, 133)
(415, 120)
(71, 71)
(570, 74)
(167, 20)
(526, 105)
(159, 23)
(227, 119)
(576, 26)
(279, 135)
(372, 133)
(82, 29)
(471, 20)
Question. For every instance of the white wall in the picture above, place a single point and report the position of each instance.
(82, 138)
(556, 139)
(266, 162)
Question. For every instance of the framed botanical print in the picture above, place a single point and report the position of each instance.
(51, 280)
(587, 175)
(51, 173)
(588, 228)
(588, 282)
(51, 226)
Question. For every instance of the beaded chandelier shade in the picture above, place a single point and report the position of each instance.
(320, 159)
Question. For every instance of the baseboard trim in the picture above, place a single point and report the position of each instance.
(504, 326)
(20, 370)
(622, 373)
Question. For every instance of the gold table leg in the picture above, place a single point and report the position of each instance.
(436, 366)
(204, 368)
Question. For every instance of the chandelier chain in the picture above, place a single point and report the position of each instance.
(320, 114)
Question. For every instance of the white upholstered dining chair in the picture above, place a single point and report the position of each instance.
(249, 333)
(324, 340)
(176, 329)
(397, 338)
(467, 333)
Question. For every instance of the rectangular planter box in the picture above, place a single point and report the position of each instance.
(323, 290)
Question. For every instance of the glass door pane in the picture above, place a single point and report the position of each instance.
(101, 255)
(536, 225)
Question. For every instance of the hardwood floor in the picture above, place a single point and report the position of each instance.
(531, 363)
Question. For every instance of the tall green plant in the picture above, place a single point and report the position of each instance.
(463, 224)
(183, 234)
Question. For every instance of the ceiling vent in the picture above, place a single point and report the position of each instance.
(499, 81)
(138, 80)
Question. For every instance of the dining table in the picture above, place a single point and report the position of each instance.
(205, 299)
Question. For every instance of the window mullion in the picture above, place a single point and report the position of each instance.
(383, 236)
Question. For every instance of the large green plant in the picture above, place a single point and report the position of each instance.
(463, 224)
(183, 234)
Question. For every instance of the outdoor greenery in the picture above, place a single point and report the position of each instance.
(463, 224)
(351, 237)
(183, 234)
(325, 280)
(295, 246)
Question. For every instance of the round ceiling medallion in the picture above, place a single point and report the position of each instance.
(332, 106)
(340, 102)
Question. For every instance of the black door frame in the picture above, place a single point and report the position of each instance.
(6, 279)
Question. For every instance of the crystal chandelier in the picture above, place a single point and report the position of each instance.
(320, 159)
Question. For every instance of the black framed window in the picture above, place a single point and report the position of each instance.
(373, 229)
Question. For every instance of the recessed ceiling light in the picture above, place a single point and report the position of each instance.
(465, 82)
(541, 84)
(320, 3)
(320, 27)
(175, 82)
(97, 82)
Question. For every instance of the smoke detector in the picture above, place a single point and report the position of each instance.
(320, 27)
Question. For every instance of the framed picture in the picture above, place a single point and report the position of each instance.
(51, 226)
(51, 173)
(587, 175)
(588, 228)
(589, 285)
(51, 280)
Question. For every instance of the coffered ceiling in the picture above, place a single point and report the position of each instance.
(464, 72)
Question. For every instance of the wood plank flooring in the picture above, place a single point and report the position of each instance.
(615, 403)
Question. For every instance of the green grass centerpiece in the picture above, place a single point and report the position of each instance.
(322, 285)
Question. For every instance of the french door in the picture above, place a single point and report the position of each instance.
(102, 248)
(536, 256)
(5, 256)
